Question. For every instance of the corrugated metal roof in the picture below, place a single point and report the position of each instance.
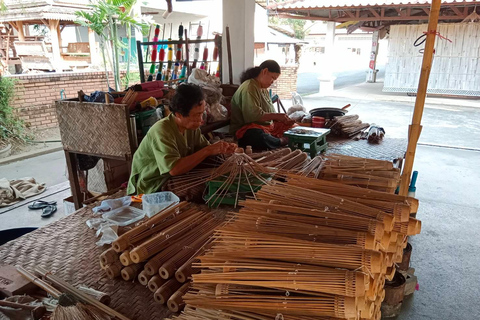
(319, 4)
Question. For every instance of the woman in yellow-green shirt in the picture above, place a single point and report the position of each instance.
(253, 111)
(175, 144)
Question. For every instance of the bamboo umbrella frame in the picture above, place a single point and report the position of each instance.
(144, 278)
(280, 275)
(185, 271)
(247, 244)
(167, 270)
(316, 217)
(160, 241)
(175, 303)
(166, 291)
(252, 299)
(306, 198)
(304, 231)
(149, 227)
(155, 283)
(191, 313)
(172, 248)
(131, 272)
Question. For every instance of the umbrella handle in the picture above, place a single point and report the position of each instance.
(347, 106)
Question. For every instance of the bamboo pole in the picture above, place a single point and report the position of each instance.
(416, 127)
(78, 294)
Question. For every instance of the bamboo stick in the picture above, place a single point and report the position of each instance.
(78, 294)
(39, 282)
(415, 128)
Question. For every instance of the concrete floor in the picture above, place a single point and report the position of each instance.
(445, 254)
(49, 169)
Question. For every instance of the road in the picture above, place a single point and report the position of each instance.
(49, 169)
(308, 83)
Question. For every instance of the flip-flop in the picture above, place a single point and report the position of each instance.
(40, 204)
(49, 210)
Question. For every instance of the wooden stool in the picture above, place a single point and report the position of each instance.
(312, 140)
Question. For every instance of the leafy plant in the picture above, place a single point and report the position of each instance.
(297, 25)
(104, 18)
(11, 127)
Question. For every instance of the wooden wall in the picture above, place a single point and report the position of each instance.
(456, 64)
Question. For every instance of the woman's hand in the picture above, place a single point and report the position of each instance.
(221, 147)
(282, 117)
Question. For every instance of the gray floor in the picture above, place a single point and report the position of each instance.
(49, 169)
(445, 253)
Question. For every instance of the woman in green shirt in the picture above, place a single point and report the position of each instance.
(253, 111)
(175, 144)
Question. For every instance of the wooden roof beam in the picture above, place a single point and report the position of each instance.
(455, 9)
(350, 14)
(374, 12)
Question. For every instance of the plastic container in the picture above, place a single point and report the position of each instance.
(124, 216)
(318, 122)
(155, 202)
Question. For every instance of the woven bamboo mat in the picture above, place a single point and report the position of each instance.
(67, 248)
(388, 149)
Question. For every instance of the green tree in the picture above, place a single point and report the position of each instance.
(297, 25)
(11, 128)
(103, 18)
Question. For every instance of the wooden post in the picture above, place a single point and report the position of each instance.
(415, 128)
(59, 36)
(93, 47)
(19, 27)
(57, 59)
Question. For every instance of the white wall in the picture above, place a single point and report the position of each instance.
(456, 65)
(239, 17)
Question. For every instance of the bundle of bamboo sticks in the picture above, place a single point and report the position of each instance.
(304, 248)
(159, 248)
(368, 173)
(130, 97)
(346, 126)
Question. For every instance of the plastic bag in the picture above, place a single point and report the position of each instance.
(123, 216)
(295, 108)
(296, 99)
(216, 112)
(201, 77)
(111, 204)
(155, 202)
(298, 116)
(109, 234)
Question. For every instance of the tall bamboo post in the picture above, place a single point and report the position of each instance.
(416, 127)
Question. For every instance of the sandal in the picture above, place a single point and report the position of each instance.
(48, 211)
(40, 204)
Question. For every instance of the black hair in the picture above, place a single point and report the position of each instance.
(251, 73)
(186, 97)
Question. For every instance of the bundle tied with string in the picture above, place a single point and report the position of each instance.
(154, 251)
